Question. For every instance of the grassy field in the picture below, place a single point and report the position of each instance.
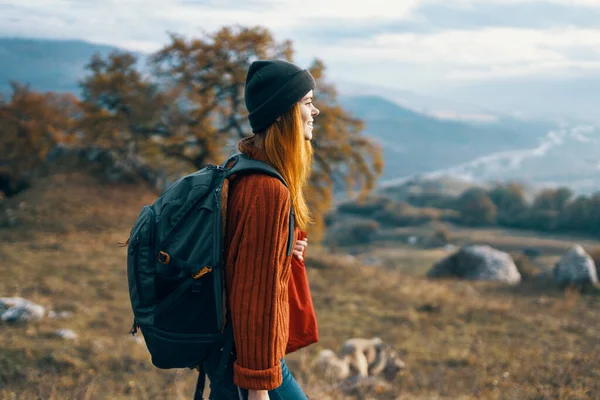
(459, 340)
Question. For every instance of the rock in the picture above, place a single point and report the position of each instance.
(67, 334)
(449, 248)
(60, 314)
(477, 262)
(575, 267)
(17, 309)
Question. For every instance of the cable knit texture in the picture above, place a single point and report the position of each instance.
(258, 272)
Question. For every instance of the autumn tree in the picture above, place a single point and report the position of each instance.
(547, 207)
(32, 124)
(190, 107)
(582, 214)
(511, 203)
(205, 78)
(476, 208)
(125, 111)
(552, 199)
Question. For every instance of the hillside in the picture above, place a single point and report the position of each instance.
(415, 143)
(47, 65)
(466, 340)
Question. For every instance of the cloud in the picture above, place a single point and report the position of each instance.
(421, 41)
(489, 52)
(143, 23)
(507, 14)
(474, 3)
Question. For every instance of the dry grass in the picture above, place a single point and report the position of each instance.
(504, 239)
(481, 340)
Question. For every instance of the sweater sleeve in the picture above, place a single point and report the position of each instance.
(259, 294)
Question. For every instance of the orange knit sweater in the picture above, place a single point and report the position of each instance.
(258, 272)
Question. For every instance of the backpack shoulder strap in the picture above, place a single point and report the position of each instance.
(244, 164)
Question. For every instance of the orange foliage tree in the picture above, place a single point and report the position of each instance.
(31, 125)
(189, 106)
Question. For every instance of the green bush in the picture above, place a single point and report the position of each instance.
(476, 208)
(352, 232)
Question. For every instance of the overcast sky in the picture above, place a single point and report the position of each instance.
(412, 44)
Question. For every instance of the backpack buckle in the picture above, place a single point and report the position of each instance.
(164, 258)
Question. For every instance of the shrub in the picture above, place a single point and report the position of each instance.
(525, 266)
(365, 208)
(352, 232)
(476, 208)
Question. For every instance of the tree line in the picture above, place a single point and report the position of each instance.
(506, 204)
(179, 110)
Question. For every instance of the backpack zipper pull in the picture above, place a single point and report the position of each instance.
(134, 329)
(205, 270)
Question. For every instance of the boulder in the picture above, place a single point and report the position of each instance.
(477, 262)
(575, 267)
(17, 309)
(66, 334)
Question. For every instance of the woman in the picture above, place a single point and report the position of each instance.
(261, 296)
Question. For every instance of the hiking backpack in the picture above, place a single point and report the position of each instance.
(175, 268)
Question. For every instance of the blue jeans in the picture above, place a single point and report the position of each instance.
(227, 390)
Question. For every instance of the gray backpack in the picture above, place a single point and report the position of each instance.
(175, 269)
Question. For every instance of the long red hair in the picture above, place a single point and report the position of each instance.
(291, 155)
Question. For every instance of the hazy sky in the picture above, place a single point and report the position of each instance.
(412, 44)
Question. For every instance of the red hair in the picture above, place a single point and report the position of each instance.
(291, 155)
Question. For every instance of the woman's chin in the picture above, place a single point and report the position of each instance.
(308, 133)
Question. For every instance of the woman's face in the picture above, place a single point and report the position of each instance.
(308, 112)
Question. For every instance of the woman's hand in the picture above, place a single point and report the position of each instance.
(300, 248)
(258, 395)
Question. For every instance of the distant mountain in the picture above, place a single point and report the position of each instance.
(415, 143)
(47, 65)
(431, 105)
(570, 98)
(567, 156)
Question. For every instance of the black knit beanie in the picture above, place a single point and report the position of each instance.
(272, 88)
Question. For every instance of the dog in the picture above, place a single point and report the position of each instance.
(371, 357)
(360, 358)
(331, 366)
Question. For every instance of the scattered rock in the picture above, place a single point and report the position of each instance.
(449, 248)
(60, 314)
(67, 334)
(542, 301)
(477, 262)
(576, 267)
(17, 309)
